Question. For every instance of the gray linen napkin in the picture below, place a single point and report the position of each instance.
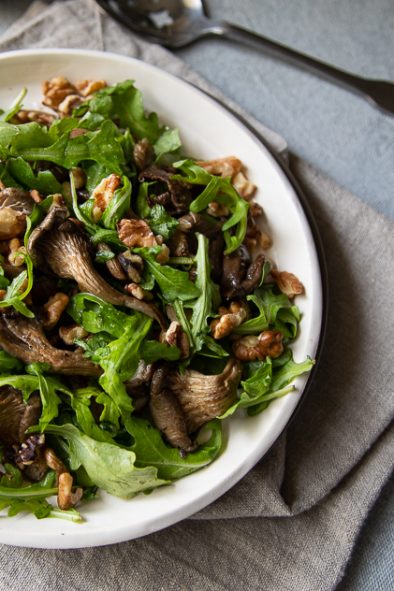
(291, 523)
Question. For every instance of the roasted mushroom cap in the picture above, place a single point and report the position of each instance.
(64, 246)
(167, 413)
(15, 205)
(181, 403)
(24, 338)
(239, 277)
(203, 397)
(16, 416)
(176, 195)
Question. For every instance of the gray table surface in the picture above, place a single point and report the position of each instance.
(337, 131)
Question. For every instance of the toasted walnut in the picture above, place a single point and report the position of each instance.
(88, 87)
(12, 223)
(2, 293)
(243, 186)
(53, 309)
(53, 462)
(217, 210)
(35, 195)
(66, 498)
(56, 90)
(17, 253)
(68, 334)
(255, 210)
(138, 292)
(71, 102)
(164, 255)
(175, 336)
(103, 194)
(224, 167)
(136, 233)
(143, 154)
(41, 117)
(230, 318)
(267, 344)
(288, 283)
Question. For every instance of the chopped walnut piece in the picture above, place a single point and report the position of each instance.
(35, 195)
(252, 347)
(103, 194)
(243, 186)
(17, 253)
(88, 87)
(217, 210)
(138, 292)
(229, 319)
(288, 283)
(56, 90)
(53, 309)
(41, 117)
(66, 498)
(175, 336)
(136, 233)
(224, 167)
(68, 334)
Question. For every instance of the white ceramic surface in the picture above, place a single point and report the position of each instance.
(207, 131)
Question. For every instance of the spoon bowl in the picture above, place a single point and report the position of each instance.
(178, 23)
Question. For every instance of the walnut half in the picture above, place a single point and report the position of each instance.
(267, 344)
(230, 318)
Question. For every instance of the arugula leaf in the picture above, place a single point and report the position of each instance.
(44, 180)
(151, 450)
(265, 384)
(120, 358)
(80, 403)
(169, 141)
(108, 465)
(174, 284)
(161, 222)
(15, 107)
(152, 351)
(220, 190)
(96, 315)
(124, 103)
(45, 385)
(209, 297)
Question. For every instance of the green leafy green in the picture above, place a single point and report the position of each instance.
(174, 284)
(118, 205)
(161, 222)
(44, 180)
(15, 107)
(151, 450)
(9, 363)
(220, 190)
(108, 465)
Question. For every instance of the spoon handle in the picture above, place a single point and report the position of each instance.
(378, 92)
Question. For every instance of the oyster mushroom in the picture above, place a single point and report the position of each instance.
(204, 397)
(175, 196)
(167, 413)
(15, 205)
(62, 244)
(24, 338)
(240, 278)
(16, 416)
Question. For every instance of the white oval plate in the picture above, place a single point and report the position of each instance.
(208, 131)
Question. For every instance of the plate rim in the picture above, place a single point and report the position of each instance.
(174, 517)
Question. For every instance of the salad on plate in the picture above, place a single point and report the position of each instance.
(139, 306)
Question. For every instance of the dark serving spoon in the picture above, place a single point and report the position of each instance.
(177, 23)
